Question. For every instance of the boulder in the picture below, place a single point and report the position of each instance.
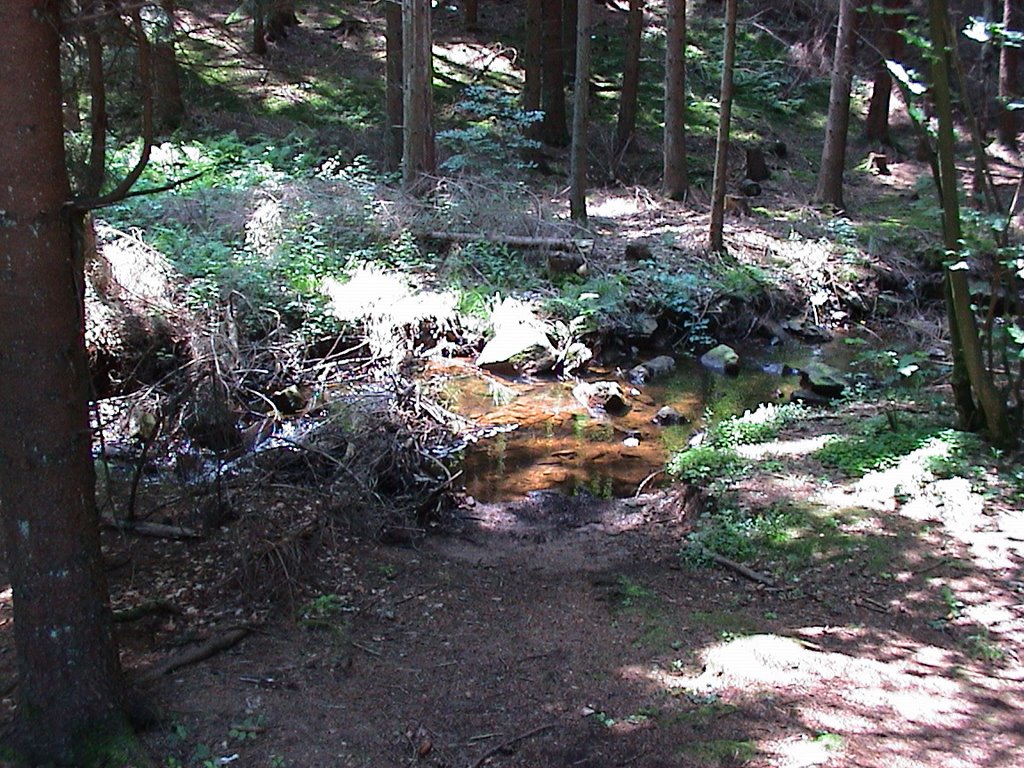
(807, 331)
(651, 369)
(667, 416)
(519, 349)
(806, 397)
(722, 358)
(822, 380)
(601, 397)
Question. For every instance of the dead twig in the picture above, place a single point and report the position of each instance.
(510, 742)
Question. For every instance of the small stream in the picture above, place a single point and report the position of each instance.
(559, 446)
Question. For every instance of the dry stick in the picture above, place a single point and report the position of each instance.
(204, 651)
(506, 744)
(739, 568)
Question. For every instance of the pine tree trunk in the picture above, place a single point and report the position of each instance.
(70, 686)
(716, 240)
(1007, 124)
(532, 57)
(168, 104)
(569, 15)
(674, 176)
(394, 86)
(581, 107)
(553, 127)
(630, 77)
(890, 46)
(418, 106)
(833, 153)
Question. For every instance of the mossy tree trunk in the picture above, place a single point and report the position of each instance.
(70, 688)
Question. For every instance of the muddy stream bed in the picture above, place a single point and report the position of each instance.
(545, 439)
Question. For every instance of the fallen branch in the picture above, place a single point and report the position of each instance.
(515, 241)
(156, 530)
(510, 742)
(742, 570)
(199, 653)
(144, 609)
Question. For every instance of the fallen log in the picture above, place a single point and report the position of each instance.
(515, 241)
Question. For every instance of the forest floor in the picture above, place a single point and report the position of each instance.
(879, 623)
(568, 631)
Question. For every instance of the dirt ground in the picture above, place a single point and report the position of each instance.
(567, 631)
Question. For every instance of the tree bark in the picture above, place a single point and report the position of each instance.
(418, 107)
(532, 55)
(394, 86)
(890, 47)
(674, 176)
(1007, 124)
(626, 127)
(580, 113)
(70, 689)
(974, 391)
(716, 239)
(833, 153)
(553, 130)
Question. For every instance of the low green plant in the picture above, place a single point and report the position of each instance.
(980, 645)
(737, 534)
(757, 426)
(707, 463)
(877, 447)
(722, 752)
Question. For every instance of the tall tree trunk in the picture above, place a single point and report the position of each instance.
(69, 680)
(532, 56)
(833, 153)
(581, 106)
(1009, 86)
(716, 239)
(553, 130)
(95, 173)
(630, 77)
(418, 107)
(674, 177)
(168, 104)
(890, 47)
(394, 87)
(974, 390)
(569, 15)
(471, 21)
